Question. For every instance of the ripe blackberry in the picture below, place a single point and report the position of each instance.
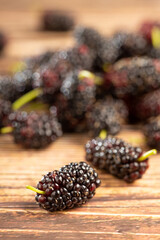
(147, 27)
(66, 115)
(89, 37)
(152, 132)
(72, 186)
(33, 130)
(76, 98)
(154, 53)
(133, 76)
(148, 105)
(5, 110)
(57, 21)
(8, 89)
(3, 41)
(39, 60)
(117, 158)
(130, 44)
(81, 57)
(108, 114)
(79, 92)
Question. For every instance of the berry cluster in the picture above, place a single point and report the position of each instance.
(92, 86)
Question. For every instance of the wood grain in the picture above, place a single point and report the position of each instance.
(118, 210)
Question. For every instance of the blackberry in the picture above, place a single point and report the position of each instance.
(154, 53)
(8, 89)
(133, 76)
(39, 60)
(146, 29)
(57, 21)
(81, 57)
(3, 41)
(33, 130)
(72, 186)
(79, 92)
(66, 115)
(148, 105)
(117, 158)
(120, 45)
(152, 132)
(89, 37)
(12, 87)
(75, 99)
(5, 110)
(130, 44)
(108, 114)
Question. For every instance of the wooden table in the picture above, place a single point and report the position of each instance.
(118, 210)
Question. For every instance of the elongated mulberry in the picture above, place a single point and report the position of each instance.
(72, 186)
(108, 114)
(117, 158)
(33, 130)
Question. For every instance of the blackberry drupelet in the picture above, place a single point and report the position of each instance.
(152, 132)
(5, 110)
(116, 157)
(108, 114)
(72, 186)
(57, 21)
(33, 130)
(133, 76)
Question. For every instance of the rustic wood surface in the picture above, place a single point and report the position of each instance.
(118, 210)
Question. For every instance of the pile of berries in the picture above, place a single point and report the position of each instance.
(96, 86)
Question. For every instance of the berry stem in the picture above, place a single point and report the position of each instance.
(86, 74)
(6, 130)
(27, 98)
(35, 189)
(147, 154)
(155, 36)
(103, 134)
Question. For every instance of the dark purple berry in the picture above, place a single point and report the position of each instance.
(66, 197)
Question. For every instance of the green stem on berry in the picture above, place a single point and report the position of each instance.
(26, 98)
(147, 154)
(155, 36)
(86, 74)
(106, 67)
(18, 67)
(35, 189)
(103, 134)
(6, 130)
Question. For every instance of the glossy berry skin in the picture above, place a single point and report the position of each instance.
(116, 157)
(33, 130)
(152, 132)
(72, 186)
(57, 21)
(133, 76)
(108, 114)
